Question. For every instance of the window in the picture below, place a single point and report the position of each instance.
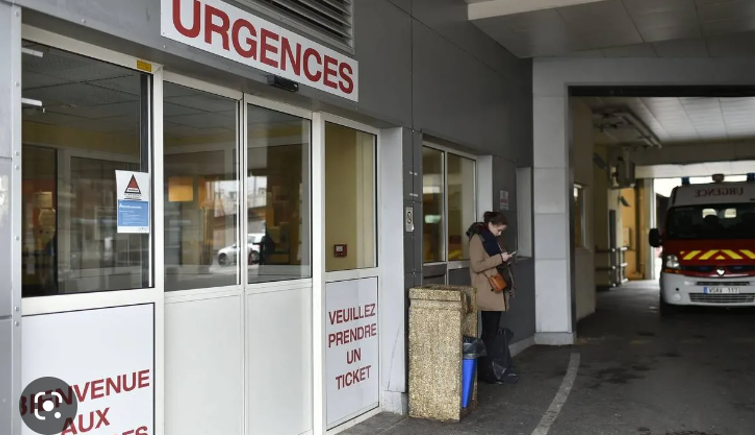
(433, 205)
(278, 196)
(350, 195)
(461, 205)
(725, 221)
(579, 216)
(201, 189)
(90, 120)
(449, 204)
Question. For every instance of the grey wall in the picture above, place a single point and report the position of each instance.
(521, 318)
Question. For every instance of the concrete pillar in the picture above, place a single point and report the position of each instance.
(10, 218)
(552, 185)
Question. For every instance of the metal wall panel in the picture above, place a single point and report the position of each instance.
(449, 19)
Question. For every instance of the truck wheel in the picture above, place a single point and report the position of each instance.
(667, 310)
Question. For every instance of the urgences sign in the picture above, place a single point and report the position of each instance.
(230, 32)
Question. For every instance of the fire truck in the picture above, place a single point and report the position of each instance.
(708, 245)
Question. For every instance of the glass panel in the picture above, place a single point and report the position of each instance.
(90, 124)
(462, 207)
(433, 186)
(279, 243)
(350, 231)
(201, 189)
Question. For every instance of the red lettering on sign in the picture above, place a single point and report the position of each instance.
(251, 38)
(309, 53)
(347, 81)
(267, 36)
(142, 431)
(144, 379)
(97, 388)
(352, 334)
(192, 32)
(353, 356)
(350, 314)
(84, 424)
(250, 51)
(211, 27)
(291, 56)
(330, 72)
(353, 377)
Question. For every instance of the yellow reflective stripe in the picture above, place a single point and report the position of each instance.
(720, 257)
(708, 254)
(732, 254)
(691, 255)
(748, 253)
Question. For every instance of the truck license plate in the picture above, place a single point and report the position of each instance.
(721, 290)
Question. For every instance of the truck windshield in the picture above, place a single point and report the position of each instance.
(707, 222)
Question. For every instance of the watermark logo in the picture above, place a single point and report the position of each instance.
(48, 405)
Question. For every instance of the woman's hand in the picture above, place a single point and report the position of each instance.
(505, 256)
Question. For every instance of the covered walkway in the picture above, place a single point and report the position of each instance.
(638, 374)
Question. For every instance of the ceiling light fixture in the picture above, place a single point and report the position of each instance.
(616, 122)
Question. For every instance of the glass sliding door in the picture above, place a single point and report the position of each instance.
(350, 269)
(449, 204)
(278, 186)
(201, 179)
(91, 120)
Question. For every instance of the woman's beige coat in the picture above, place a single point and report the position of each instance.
(483, 265)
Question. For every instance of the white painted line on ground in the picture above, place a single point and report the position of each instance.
(558, 402)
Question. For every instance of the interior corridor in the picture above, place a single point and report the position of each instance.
(638, 374)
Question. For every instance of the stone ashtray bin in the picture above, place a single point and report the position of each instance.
(439, 318)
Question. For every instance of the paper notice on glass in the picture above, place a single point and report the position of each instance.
(503, 200)
(133, 189)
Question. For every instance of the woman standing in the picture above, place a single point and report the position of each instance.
(489, 259)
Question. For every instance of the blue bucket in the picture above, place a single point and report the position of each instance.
(468, 367)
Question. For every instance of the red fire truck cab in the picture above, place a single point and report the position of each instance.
(708, 245)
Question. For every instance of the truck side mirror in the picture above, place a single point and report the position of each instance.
(654, 238)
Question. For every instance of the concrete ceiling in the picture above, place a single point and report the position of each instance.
(619, 28)
(685, 120)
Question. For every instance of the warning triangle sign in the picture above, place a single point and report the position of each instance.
(133, 186)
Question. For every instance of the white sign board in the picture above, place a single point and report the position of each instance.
(503, 201)
(722, 193)
(233, 33)
(106, 356)
(351, 349)
(133, 189)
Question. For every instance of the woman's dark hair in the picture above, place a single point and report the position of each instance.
(495, 217)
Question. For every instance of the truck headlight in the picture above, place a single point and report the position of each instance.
(672, 262)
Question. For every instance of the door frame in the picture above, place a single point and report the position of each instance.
(321, 277)
(110, 299)
(447, 265)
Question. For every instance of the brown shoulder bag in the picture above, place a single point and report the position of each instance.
(497, 283)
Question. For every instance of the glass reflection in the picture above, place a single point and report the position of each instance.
(433, 185)
(278, 196)
(201, 189)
